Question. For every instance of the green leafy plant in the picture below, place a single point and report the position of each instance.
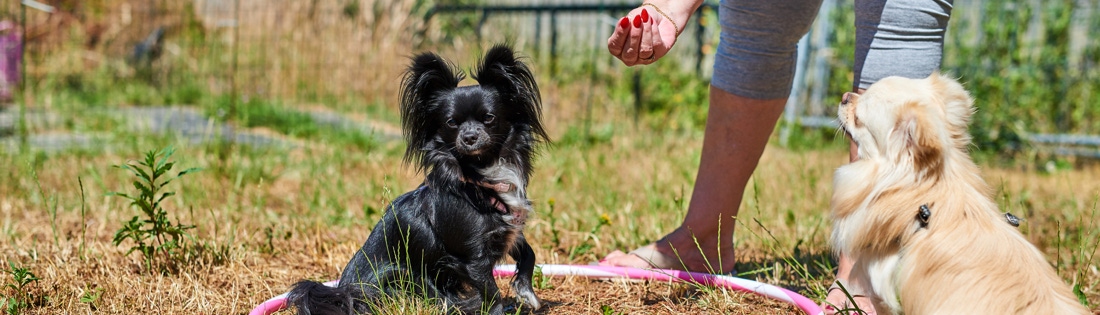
(157, 238)
(90, 296)
(20, 299)
(587, 245)
(1085, 253)
(540, 280)
(555, 234)
(608, 310)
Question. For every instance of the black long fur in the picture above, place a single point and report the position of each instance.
(442, 240)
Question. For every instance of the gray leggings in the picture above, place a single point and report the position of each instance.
(756, 54)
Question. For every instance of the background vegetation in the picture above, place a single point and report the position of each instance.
(263, 214)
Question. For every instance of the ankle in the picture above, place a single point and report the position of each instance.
(701, 254)
(711, 243)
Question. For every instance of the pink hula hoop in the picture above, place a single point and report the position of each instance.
(803, 303)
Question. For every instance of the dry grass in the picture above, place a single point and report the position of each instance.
(320, 201)
(271, 216)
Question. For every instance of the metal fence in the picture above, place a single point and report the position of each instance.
(310, 49)
(972, 23)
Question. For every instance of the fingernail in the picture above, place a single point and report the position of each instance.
(625, 22)
(638, 21)
(645, 15)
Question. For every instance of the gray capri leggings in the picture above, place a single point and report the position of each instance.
(757, 52)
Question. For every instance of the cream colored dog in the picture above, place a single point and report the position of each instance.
(916, 216)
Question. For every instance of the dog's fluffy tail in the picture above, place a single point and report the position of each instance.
(315, 298)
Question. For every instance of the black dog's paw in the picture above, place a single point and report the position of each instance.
(525, 293)
(527, 296)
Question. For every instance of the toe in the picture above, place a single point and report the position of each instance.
(620, 259)
(613, 255)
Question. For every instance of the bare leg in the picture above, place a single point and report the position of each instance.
(736, 133)
(853, 150)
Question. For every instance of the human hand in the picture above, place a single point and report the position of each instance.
(642, 37)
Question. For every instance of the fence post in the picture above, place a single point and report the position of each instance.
(481, 23)
(553, 42)
(821, 63)
(699, 40)
(23, 85)
(538, 33)
(233, 68)
(789, 111)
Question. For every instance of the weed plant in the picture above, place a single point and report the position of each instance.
(20, 297)
(91, 296)
(154, 235)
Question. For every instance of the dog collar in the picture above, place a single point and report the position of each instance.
(1013, 220)
(923, 215)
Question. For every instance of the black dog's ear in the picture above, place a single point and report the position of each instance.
(427, 80)
(500, 69)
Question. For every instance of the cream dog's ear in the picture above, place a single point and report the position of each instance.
(915, 139)
(956, 99)
(958, 106)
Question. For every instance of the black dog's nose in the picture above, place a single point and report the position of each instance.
(469, 138)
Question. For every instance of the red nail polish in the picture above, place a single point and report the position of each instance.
(645, 15)
(624, 23)
(638, 21)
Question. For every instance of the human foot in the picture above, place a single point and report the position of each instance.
(661, 255)
(643, 257)
(838, 301)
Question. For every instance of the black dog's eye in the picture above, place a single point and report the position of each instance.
(489, 118)
(451, 123)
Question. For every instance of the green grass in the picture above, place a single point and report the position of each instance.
(618, 175)
(288, 121)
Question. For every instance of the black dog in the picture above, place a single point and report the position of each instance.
(442, 240)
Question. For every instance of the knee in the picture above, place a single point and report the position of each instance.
(903, 20)
(899, 37)
(756, 54)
